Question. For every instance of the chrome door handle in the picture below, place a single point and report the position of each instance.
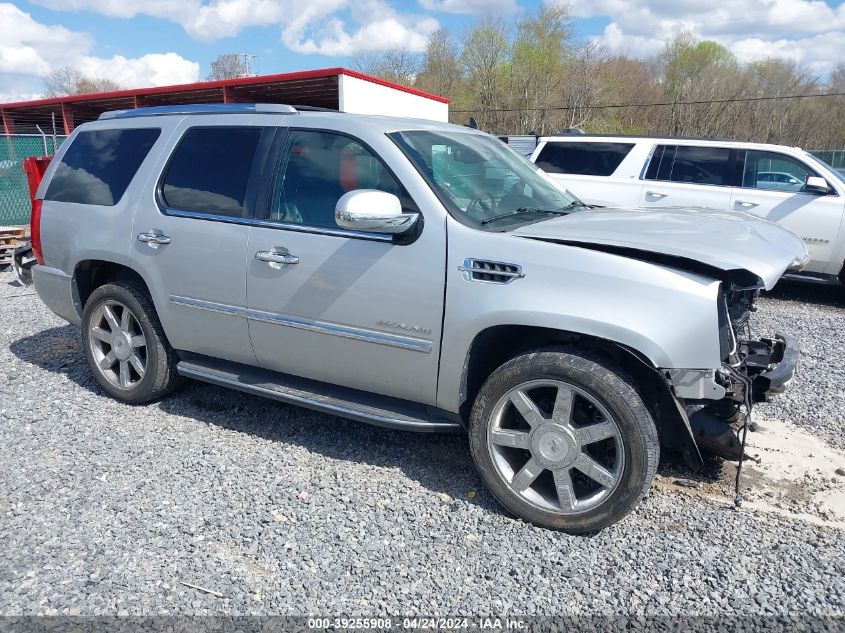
(277, 255)
(745, 204)
(656, 194)
(154, 237)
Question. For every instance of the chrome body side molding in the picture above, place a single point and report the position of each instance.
(322, 327)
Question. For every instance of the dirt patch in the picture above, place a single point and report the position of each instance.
(796, 476)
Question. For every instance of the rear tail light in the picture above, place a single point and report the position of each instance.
(35, 231)
(35, 167)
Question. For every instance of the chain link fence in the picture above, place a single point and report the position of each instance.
(833, 157)
(15, 206)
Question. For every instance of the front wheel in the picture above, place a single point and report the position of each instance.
(563, 440)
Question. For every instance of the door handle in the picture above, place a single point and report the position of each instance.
(277, 255)
(746, 205)
(656, 194)
(154, 237)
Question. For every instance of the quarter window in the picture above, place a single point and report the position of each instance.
(210, 169)
(774, 171)
(586, 159)
(317, 169)
(99, 165)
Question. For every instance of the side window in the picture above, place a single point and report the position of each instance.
(209, 170)
(774, 171)
(318, 168)
(660, 166)
(587, 159)
(703, 165)
(99, 165)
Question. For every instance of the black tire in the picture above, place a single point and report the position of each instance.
(610, 387)
(160, 377)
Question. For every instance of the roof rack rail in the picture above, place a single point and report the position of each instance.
(309, 108)
(201, 108)
(654, 136)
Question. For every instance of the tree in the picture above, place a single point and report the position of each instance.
(701, 71)
(66, 80)
(440, 72)
(536, 64)
(230, 66)
(482, 61)
(398, 66)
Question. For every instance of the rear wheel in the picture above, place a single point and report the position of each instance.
(563, 440)
(125, 344)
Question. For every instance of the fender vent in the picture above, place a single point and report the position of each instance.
(490, 272)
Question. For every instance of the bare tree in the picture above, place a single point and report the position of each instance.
(66, 80)
(398, 66)
(230, 66)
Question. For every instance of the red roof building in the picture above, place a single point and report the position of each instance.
(334, 88)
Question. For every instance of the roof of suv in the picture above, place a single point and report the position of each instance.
(380, 122)
(674, 140)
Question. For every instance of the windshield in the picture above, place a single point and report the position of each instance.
(836, 171)
(482, 181)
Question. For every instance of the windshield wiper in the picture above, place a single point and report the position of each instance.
(521, 210)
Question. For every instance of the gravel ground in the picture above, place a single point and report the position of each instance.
(815, 315)
(107, 509)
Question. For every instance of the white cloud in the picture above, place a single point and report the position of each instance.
(470, 6)
(751, 29)
(153, 69)
(328, 27)
(30, 50)
(316, 29)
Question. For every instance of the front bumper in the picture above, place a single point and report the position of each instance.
(771, 364)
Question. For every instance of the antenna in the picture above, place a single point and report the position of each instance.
(246, 62)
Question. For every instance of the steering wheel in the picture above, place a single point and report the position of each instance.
(481, 196)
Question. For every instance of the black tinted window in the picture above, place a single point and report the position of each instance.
(702, 165)
(98, 166)
(320, 167)
(660, 165)
(210, 169)
(589, 159)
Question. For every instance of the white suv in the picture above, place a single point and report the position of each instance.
(781, 184)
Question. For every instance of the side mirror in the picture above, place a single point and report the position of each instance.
(817, 185)
(372, 210)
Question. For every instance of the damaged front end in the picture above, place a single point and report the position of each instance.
(770, 363)
(719, 402)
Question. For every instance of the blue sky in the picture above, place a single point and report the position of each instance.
(156, 42)
(131, 37)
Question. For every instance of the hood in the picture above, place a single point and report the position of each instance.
(718, 239)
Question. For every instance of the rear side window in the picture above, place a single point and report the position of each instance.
(99, 165)
(210, 168)
(586, 159)
(703, 165)
(660, 166)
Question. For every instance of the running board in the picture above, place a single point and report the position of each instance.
(341, 401)
(813, 278)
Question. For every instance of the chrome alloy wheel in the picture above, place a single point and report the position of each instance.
(556, 446)
(118, 344)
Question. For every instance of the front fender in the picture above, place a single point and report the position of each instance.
(668, 316)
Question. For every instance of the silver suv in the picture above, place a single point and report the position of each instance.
(414, 275)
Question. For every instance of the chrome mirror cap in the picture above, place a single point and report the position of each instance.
(816, 184)
(373, 210)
